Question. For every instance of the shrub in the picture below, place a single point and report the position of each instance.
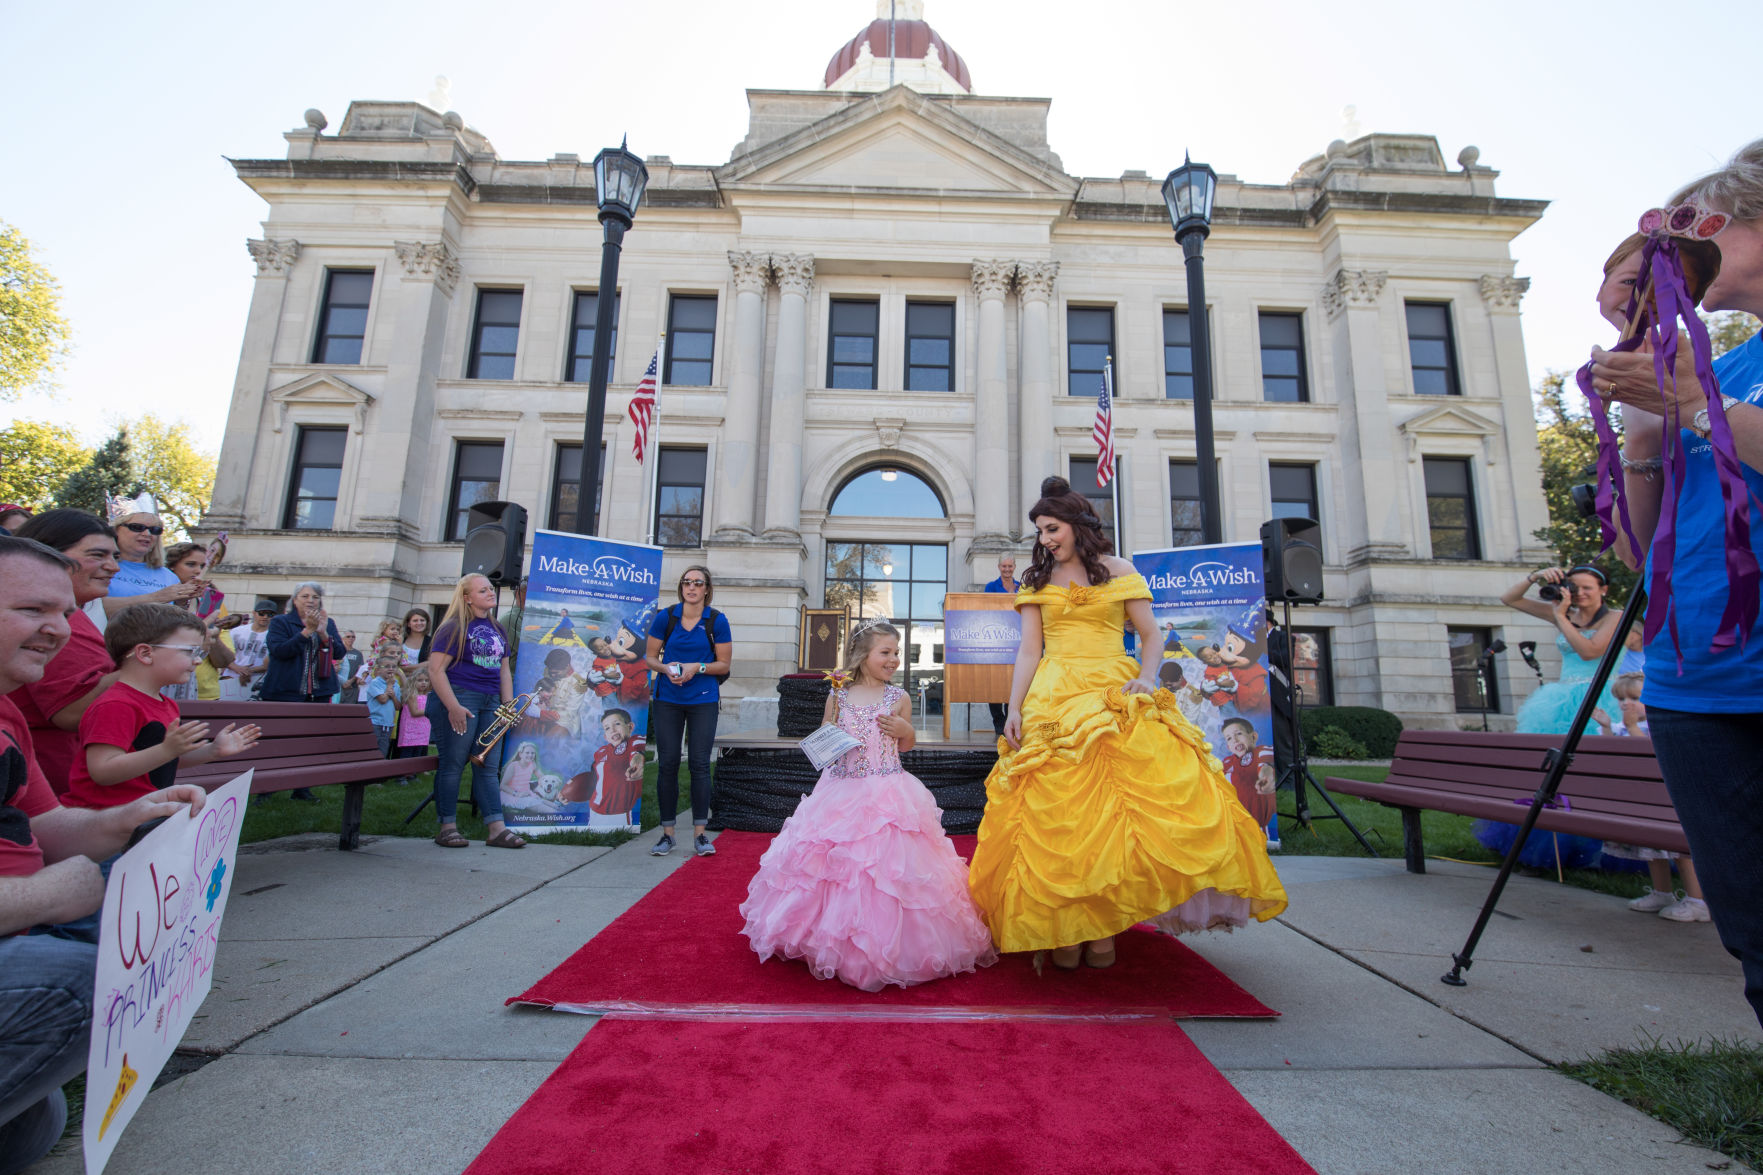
(1376, 729)
(1331, 742)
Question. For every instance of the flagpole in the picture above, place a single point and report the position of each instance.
(650, 489)
(1113, 461)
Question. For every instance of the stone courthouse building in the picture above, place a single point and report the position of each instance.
(886, 315)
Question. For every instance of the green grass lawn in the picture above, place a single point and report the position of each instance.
(1447, 837)
(1711, 1093)
(386, 806)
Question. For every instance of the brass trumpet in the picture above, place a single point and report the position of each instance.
(507, 714)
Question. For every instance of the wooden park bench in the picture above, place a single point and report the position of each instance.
(304, 744)
(1612, 789)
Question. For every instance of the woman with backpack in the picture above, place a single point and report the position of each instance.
(689, 651)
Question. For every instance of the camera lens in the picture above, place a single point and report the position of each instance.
(1550, 592)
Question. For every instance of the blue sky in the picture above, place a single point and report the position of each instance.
(119, 116)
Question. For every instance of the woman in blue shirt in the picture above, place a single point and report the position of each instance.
(1706, 719)
(689, 650)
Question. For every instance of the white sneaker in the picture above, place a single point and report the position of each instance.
(1653, 901)
(1688, 910)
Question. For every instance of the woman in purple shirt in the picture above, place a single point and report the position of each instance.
(469, 676)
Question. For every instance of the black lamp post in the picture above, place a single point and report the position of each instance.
(1188, 191)
(619, 180)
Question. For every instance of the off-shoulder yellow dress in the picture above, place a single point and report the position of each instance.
(1114, 810)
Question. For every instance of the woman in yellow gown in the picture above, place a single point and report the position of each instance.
(1106, 807)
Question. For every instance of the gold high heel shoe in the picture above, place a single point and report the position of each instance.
(1099, 959)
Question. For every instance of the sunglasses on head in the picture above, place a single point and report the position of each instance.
(143, 528)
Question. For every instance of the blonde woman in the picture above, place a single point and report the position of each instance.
(142, 576)
(470, 674)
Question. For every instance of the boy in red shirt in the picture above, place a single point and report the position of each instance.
(1250, 768)
(130, 738)
(618, 767)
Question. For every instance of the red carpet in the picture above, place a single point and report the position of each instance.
(680, 951)
(1016, 1098)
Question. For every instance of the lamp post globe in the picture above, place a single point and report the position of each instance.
(619, 180)
(1188, 192)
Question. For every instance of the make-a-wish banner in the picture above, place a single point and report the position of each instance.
(161, 922)
(576, 758)
(981, 636)
(1210, 605)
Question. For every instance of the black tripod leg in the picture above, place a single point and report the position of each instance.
(1555, 766)
(1339, 815)
(418, 811)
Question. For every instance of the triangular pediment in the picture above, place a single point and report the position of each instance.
(1449, 420)
(899, 140)
(319, 390)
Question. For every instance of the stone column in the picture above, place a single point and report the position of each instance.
(789, 374)
(1372, 526)
(1502, 295)
(737, 467)
(991, 416)
(238, 451)
(1034, 285)
(415, 308)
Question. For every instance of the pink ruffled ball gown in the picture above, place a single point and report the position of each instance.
(862, 884)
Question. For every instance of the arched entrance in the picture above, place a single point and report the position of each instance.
(887, 555)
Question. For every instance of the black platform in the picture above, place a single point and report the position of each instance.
(758, 787)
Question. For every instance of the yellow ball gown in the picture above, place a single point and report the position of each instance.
(1114, 810)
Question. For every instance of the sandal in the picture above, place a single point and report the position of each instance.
(506, 839)
(1099, 959)
(449, 838)
(1066, 958)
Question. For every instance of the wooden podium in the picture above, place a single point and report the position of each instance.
(975, 683)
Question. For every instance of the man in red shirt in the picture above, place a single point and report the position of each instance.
(48, 870)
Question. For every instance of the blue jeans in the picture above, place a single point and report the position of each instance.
(454, 749)
(697, 726)
(45, 1030)
(1713, 767)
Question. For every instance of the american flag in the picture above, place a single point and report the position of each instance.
(1104, 432)
(642, 412)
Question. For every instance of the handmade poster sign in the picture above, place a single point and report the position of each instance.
(161, 923)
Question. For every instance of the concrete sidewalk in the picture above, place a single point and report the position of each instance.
(357, 1021)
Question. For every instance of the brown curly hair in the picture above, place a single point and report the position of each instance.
(1059, 501)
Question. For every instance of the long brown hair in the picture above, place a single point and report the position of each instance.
(1059, 501)
(709, 584)
(864, 634)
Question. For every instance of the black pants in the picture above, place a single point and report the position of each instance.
(696, 726)
(999, 712)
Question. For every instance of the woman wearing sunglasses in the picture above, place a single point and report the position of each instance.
(143, 577)
(690, 650)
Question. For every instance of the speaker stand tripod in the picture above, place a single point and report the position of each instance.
(1297, 772)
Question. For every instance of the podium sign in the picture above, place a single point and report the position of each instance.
(979, 652)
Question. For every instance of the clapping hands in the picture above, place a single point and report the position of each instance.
(233, 739)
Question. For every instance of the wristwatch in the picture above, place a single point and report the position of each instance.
(703, 668)
(1702, 427)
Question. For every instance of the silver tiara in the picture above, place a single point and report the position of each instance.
(864, 626)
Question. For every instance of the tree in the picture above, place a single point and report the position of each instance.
(173, 469)
(35, 458)
(1730, 329)
(110, 471)
(33, 334)
(1568, 445)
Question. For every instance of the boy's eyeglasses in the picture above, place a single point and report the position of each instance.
(195, 652)
(143, 528)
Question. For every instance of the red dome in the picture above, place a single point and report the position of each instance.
(912, 39)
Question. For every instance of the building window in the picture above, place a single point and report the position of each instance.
(477, 477)
(495, 335)
(1178, 356)
(691, 340)
(1293, 490)
(1430, 350)
(903, 583)
(318, 472)
(930, 347)
(887, 493)
(1282, 359)
(566, 488)
(1185, 518)
(1450, 509)
(679, 498)
(850, 361)
(581, 337)
(1313, 666)
(342, 323)
(1089, 341)
(1083, 481)
(1469, 678)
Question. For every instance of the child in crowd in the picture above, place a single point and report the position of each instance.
(384, 693)
(862, 884)
(413, 727)
(1687, 906)
(131, 740)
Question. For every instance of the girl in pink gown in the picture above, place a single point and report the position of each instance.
(862, 884)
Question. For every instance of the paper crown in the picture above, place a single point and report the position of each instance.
(121, 506)
(1689, 219)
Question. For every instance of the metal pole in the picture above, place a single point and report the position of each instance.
(1193, 240)
(595, 427)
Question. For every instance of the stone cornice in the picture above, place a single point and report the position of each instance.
(375, 170)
